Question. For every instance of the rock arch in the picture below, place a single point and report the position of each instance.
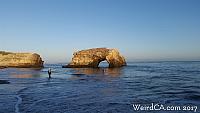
(103, 64)
(92, 58)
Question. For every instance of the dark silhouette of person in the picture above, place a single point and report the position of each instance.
(49, 72)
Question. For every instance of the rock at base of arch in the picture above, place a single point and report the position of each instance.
(91, 58)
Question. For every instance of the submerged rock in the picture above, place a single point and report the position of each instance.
(21, 60)
(4, 82)
(2, 67)
(92, 58)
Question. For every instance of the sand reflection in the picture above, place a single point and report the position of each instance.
(25, 72)
(114, 72)
(22, 76)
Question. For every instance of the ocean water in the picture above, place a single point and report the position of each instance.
(102, 90)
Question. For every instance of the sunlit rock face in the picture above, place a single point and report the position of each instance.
(21, 60)
(92, 58)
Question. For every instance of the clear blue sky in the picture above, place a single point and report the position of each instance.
(140, 29)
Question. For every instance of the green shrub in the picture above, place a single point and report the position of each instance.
(5, 53)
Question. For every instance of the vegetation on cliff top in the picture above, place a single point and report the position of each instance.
(5, 53)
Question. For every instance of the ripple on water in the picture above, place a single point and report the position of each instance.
(102, 90)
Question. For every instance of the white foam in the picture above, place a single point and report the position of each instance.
(19, 101)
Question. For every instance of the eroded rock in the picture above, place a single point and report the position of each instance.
(4, 82)
(22, 60)
(92, 58)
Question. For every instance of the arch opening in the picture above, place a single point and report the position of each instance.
(103, 64)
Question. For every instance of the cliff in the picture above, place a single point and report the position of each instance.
(21, 60)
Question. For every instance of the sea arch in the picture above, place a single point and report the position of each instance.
(90, 58)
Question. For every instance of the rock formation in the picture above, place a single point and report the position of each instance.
(92, 58)
(21, 60)
(4, 82)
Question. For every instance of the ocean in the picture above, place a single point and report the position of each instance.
(139, 87)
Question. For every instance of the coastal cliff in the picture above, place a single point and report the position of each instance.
(21, 60)
(92, 58)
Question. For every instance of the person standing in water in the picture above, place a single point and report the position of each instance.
(49, 72)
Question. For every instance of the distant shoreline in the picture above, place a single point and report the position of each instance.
(163, 61)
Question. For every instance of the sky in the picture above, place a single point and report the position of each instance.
(140, 29)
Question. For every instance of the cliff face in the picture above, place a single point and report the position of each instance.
(92, 58)
(23, 60)
(115, 59)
